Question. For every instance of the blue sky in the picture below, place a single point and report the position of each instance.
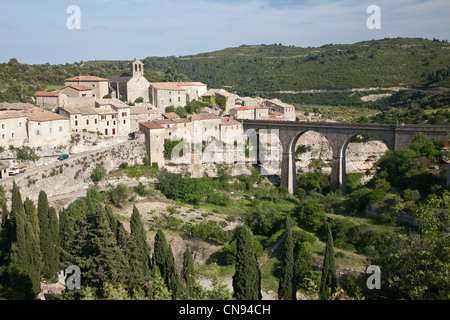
(36, 31)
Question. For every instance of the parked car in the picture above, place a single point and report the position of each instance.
(15, 170)
(63, 157)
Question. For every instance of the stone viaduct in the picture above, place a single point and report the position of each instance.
(339, 135)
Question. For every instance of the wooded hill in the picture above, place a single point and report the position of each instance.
(256, 69)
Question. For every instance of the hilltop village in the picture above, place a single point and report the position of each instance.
(128, 105)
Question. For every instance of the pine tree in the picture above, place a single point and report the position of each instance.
(187, 272)
(287, 288)
(247, 277)
(328, 282)
(137, 231)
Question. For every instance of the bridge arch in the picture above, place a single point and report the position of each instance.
(344, 153)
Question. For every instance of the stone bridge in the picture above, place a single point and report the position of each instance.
(339, 135)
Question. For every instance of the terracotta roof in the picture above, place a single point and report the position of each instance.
(47, 94)
(275, 113)
(281, 103)
(171, 115)
(202, 116)
(151, 125)
(39, 114)
(142, 110)
(11, 114)
(86, 78)
(113, 101)
(89, 110)
(181, 120)
(190, 84)
(77, 87)
(241, 108)
(163, 121)
(225, 121)
(166, 86)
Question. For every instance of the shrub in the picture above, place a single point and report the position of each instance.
(98, 173)
(219, 199)
(312, 214)
(119, 195)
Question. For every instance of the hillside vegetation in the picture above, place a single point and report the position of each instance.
(263, 69)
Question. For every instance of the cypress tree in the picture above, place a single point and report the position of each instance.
(173, 281)
(137, 230)
(34, 262)
(53, 228)
(328, 282)
(287, 288)
(45, 237)
(23, 278)
(247, 277)
(161, 254)
(187, 272)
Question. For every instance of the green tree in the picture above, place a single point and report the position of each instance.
(328, 282)
(424, 147)
(287, 288)
(98, 173)
(187, 273)
(49, 232)
(416, 265)
(247, 277)
(137, 231)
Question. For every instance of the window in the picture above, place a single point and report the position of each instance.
(60, 129)
(113, 131)
(124, 114)
(124, 121)
(3, 126)
(20, 124)
(107, 123)
(76, 117)
(3, 136)
(87, 121)
(179, 99)
(51, 130)
(170, 99)
(76, 122)
(113, 116)
(95, 121)
(38, 132)
(114, 123)
(12, 135)
(103, 117)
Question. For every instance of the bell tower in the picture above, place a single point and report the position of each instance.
(137, 67)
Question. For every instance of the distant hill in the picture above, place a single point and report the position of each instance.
(256, 69)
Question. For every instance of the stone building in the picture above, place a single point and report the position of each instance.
(50, 100)
(99, 86)
(130, 85)
(287, 110)
(194, 90)
(110, 117)
(220, 97)
(165, 94)
(47, 129)
(34, 128)
(243, 113)
(13, 129)
(142, 114)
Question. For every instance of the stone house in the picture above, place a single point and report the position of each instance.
(51, 100)
(142, 114)
(34, 128)
(13, 129)
(130, 85)
(249, 101)
(164, 94)
(243, 113)
(220, 97)
(110, 117)
(99, 86)
(46, 128)
(287, 110)
(194, 90)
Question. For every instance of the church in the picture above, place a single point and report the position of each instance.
(130, 85)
